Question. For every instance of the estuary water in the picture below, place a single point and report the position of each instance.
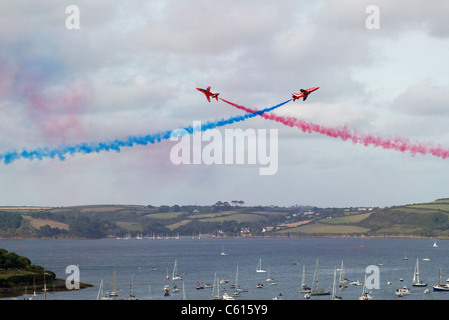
(145, 263)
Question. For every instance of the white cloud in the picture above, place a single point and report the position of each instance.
(140, 63)
(423, 98)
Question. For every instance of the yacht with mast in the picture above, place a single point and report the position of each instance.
(342, 280)
(316, 289)
(175, 275)
(304, 287)
(417, 282)
(439, 286)
(334, 288)
(216, 288)
(259, 267)
(114, 293)
(365, 294)
(237, 289)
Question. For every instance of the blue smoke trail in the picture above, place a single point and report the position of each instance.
(62, 151)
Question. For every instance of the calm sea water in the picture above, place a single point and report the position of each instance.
(146, 263)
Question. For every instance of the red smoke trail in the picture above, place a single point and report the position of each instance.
(345, 134)
(56, 113)
(39, 86)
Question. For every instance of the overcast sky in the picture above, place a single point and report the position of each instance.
(132, 68)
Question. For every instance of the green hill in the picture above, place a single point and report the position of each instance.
(222, 219)
(414, 220)
(421, 220)
(99, 221)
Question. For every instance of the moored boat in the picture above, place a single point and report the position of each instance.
(334, 288)
(317, 291)
(175, 275)
(365, 294)
(227, 296)
(259, 267)
(417, 282)
(199, 286)
(223, 253)
(402, 291)
(304, 287)
(440, 286)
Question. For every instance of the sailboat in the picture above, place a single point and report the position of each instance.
(113, 293)
(439, 286)
(237, 290)
(342, 280)
(175, 287)
(365, 294)
(223, 253)
(227, 296)
(304, 287)
(270, 279)
(405, 256)
(100, 292)
(318, 290)
(259, 267)
(417, 282)
(132, 296)
(435, 245)
(334, 288)
(175, 275)
(216, 288)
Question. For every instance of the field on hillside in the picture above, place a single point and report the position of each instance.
(321, 228)
(413, 220)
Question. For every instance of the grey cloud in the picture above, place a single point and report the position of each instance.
(423, 98)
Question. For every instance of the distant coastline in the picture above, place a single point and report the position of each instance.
(274, 236)
(224, 219)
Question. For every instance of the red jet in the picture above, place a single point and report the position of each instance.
(208, 93)
(304, 93)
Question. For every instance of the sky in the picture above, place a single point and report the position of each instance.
(131, 69)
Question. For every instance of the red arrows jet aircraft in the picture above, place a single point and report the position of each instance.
(208, 93)
(304, 93)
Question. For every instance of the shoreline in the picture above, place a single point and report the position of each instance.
(249, 237)
(27, 290)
